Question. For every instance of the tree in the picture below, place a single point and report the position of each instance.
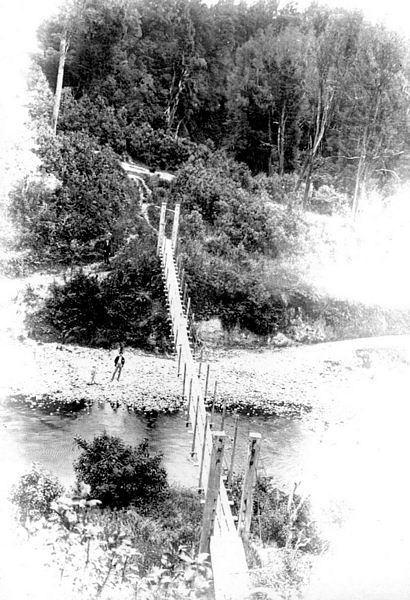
(118, 474)
(90, 196)
(379, 87)
(35, 492)
(85, 41)
(60, 77)
(326, 62)
(265, 93)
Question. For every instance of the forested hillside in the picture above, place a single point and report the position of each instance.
(267, 116)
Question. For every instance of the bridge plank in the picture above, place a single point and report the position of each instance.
(230, 571)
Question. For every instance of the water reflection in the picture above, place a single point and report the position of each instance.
(354, 468)
(34, 433)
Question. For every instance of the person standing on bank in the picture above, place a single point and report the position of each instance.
(119, 362)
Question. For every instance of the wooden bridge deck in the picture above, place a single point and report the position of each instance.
(231, 577)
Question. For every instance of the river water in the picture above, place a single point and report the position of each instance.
(47, 436)
(357, 467)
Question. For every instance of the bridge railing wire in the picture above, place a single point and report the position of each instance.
(224, 521)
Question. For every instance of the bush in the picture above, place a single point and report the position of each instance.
(233, 292)
(210, 186)
(279, 518)
(76, 309)
(82, 194)
(180, 516)
(34, 493)
(159, 150)
(328, 201)
(96, 118)
(128, 306)
(120, 475)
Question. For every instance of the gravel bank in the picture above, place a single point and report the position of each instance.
(269, 381)
(272, 381)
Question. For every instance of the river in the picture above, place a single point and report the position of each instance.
(357, 466)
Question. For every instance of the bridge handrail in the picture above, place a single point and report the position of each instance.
(197, 411)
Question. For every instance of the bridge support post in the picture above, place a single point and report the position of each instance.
(235, 437)
(175, 226)
(201, 468)
(212, 492)
(193, 451)
(161, 231)
(213, 404)
(245, 511)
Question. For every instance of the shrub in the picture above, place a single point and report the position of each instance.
(210, 186)
(34, 493)
(180, 516)
(127, 306)
(160, 150)
(118, 474)
(76, 308)
(96, 118)
(83, 194)
(279, 518)
(233, 292)
(328, 201)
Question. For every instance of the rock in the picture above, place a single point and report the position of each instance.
(280, 341)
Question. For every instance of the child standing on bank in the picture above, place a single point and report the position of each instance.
(119, 362)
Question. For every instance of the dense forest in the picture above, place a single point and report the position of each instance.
(264, 114)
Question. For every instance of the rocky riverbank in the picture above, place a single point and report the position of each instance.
(271, 381)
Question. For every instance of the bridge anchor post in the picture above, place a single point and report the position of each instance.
(245, 511)
(212, 492)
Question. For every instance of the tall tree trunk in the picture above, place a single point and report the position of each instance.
(308, 183)
(359, 175)
(60, 77)
(270, 144)
(361, 167)
(322, 117)
(176, 89)
(281, 141)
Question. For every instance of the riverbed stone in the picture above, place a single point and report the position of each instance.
(271, 381)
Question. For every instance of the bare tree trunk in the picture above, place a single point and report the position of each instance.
(307, 184)
(271, 153)
(175, 91)
(60, 77)
(359, 176)
(361, 168)
(322, 117)
(281, 141)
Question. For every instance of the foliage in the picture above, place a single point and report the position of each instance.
(83, 194)
(236, 295)
(100, 552)
(96, 118)
(228, 224)
(326, 200)
(183, 575)
(34, 493)
(313, 102)
(180, 515)
(280, 518)
(286, 90)
(40, 104)
(120, 475)
(76, 309)
(127, 306)
(119, 554)
(265, 100)
(160, 150)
